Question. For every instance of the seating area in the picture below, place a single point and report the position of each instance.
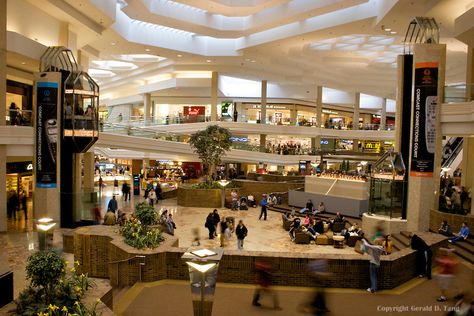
(322, 229)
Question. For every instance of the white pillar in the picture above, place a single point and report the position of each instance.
(3, 92)
(470, 74)
(319, 105)
(147, 106)
(383, 115)
(83, 60)
(263, 103)
(423, 187)
(355, 116)
(67, 38)
(214, 88)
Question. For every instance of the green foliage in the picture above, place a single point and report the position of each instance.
(140, 236)
(146, 214)
(51, 290)
(211, 144)
(213, 185)
(45, 268)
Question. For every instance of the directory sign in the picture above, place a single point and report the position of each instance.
(424, 119)
(46, 134)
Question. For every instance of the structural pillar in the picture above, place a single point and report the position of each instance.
(263, 142)
(89, 171)
(383, 115)
(67, 38)
(147, 107)
(293, 115)
(470, 74)
(355, 120)
(214, 88)
(426, 138)
(467, 178)
(3, 93)
(263, 103)
(319, 117)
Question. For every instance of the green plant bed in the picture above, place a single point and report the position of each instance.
(138, 231)
(52, 291)
(213, 185)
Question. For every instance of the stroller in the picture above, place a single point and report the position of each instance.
(243, 204)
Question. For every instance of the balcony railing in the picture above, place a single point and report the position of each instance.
(19, 117)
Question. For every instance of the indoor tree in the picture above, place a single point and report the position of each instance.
(210, 145)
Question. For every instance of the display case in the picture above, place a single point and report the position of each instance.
(387, 186)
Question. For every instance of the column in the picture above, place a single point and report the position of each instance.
(467, 179)
(293, 115)
(383, 115)
(78, 196)
(470, 74)
(319, 117)
(355, 120)
(147, 106)
(424, 169)
(263, 103)
(263, 142)
(67, 38)
(3, 92)
(214, 88)
(83, 60)
(89, 171)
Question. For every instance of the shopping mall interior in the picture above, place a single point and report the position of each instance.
(282, 156)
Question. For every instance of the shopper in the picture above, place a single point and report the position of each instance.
(113, 205)
(264, 282)
(109, 218)
(448, 264)
(216, 218)
(209, 224)
(241, 232)
(235, 204)
(374, 252)
(223, 231)
(170, 224)
(462, 235)
(151, 197)
(263, 205)
(308, 208)
(101, 183)
(126, 191)
(23, 201)
(423, 256)
(445, 229)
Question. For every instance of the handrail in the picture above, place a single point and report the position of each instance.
(125, 260)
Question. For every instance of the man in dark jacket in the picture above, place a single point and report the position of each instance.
(217, 219)
(241, 232)
(210, 225)
(423, 256)
(223, 229)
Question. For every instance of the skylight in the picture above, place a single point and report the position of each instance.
(99, 73)
(114, 65)
(140, 58)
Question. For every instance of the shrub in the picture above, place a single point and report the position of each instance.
(51, 290)
(213, 185)
(140, 236)
(146, 214)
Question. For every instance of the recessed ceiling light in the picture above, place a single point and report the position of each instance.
(208, 61)
(23, 63)
(147, 49)
(179, 55)
(252, 61)
(393, 32)
(387, 29)
(113, 43)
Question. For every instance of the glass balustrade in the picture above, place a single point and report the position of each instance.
(19, 117)
(456, 93)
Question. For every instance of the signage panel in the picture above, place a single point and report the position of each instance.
(424, 119)
(46, 134)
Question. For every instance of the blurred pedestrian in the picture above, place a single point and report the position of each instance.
(319, 271)
(374, 252)
(217, 219)
(263, 205)
(448, 264)
(264, 282)
(223, 231)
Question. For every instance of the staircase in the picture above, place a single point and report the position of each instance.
(464, 250)
(401, 240)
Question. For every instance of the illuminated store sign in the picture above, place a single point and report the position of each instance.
(330, 112)
(238, 139)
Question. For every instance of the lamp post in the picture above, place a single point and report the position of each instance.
(223, 183)
(44, 225)
(202, 266)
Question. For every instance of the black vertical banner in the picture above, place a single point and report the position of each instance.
(424, 119)
(46, 134)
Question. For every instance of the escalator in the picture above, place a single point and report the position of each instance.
(451, 151)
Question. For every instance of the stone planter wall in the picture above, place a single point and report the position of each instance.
(349, 270)
(273, 177)
(454, 220)
(199, 197)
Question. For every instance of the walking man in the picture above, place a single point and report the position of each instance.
(241, 232)
(263, 204)
(113, 205)
(264, 282)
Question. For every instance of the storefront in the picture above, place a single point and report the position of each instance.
(19, 100)
(20, 178)
(180, 113)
